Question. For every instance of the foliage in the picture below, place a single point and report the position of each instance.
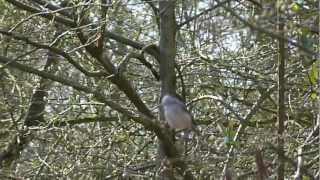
(91, 126)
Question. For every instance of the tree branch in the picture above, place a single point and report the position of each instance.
(47, 15)
(67, 82)
(55, 50)
(270, 33)
(149, 123)
(202, 13)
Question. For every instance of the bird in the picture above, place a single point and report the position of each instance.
(179, 119)
(175, 113)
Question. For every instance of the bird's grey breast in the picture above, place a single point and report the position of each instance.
(177, 117)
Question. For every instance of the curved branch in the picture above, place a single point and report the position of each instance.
(83, 120)
(146, 121)
(123, 84)
(53, 7)
(55, 50)
(155, 11)
(70, 23)
(149, 123)
(67, 82)
(154, 51)
(202, 13)
(65, 21)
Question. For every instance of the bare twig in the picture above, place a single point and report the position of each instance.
(202, 13)
(53, 49)
(270, 33)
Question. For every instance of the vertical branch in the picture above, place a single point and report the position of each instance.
(167, 51)
(33, 117)
(298, 174)
(35, 113)
(103, 20)
(262, 173)
(281, 98)
(167, 45)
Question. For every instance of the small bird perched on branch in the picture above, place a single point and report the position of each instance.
(176, 113)
(179, 118)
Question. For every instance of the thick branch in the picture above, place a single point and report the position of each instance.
(123, 84)
(147, 122)
(68, 22)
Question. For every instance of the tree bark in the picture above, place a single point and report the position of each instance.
(167, 75)
(167, 48)
(281, 100)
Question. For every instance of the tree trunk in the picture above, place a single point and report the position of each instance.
(167, 47)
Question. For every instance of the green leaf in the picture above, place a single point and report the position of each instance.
(314, 96)
(295, 7)
(313, 74)
(305, 178)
